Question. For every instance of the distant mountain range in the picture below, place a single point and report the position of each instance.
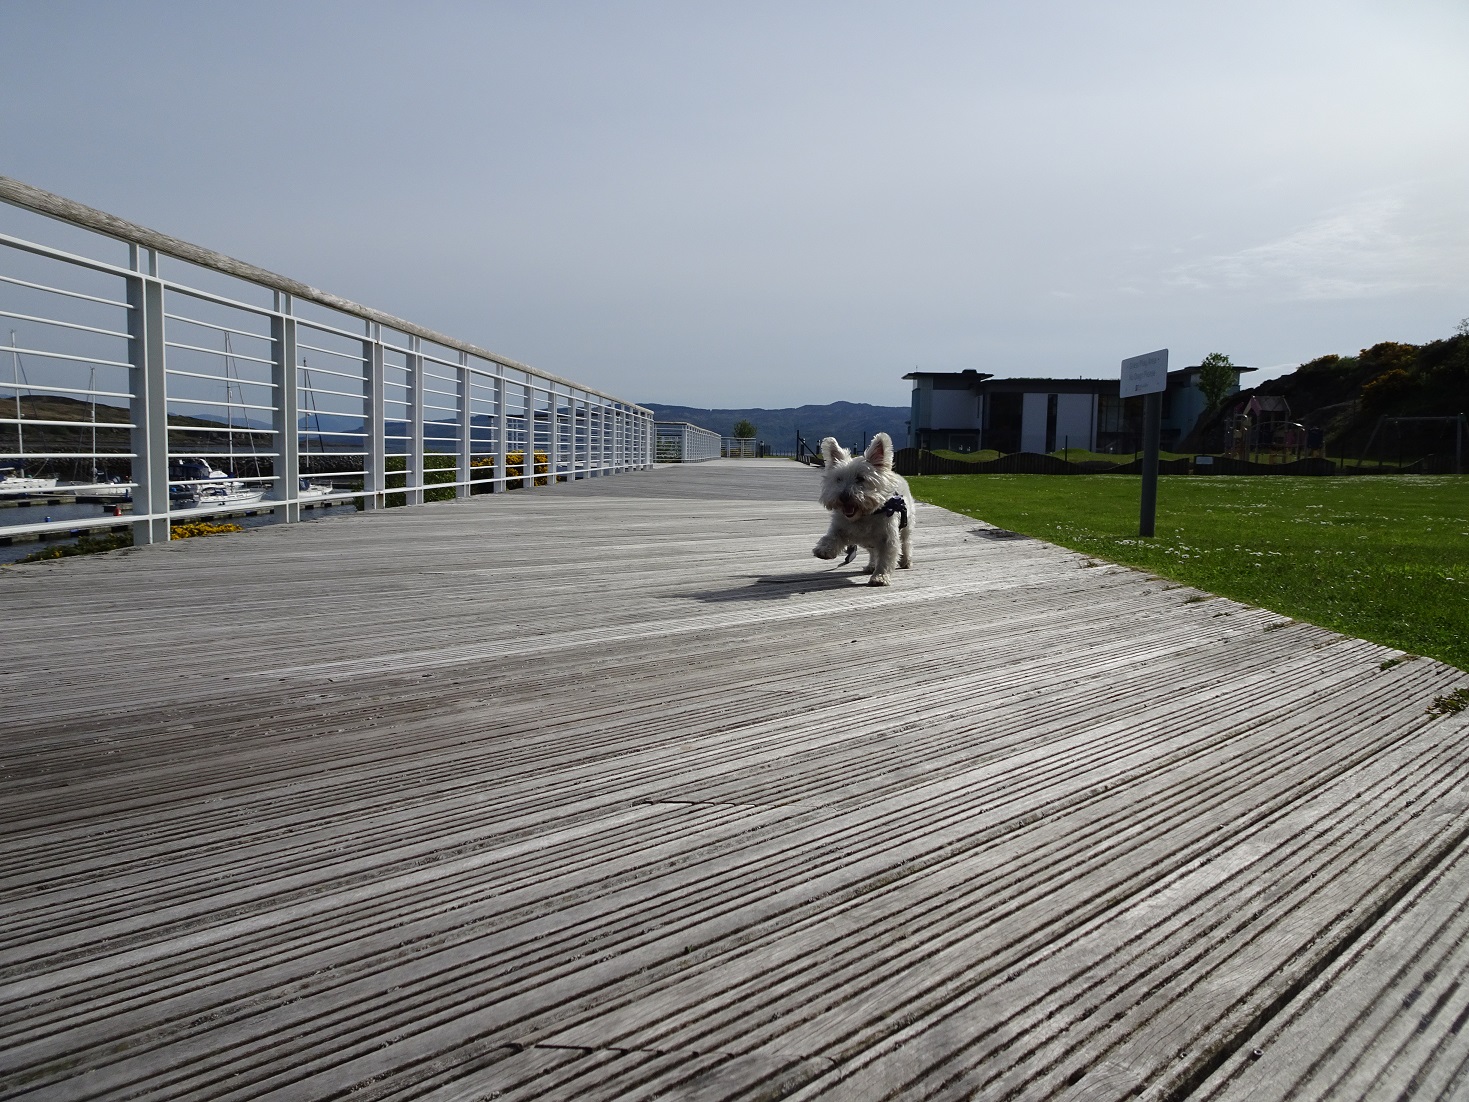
(850, 422)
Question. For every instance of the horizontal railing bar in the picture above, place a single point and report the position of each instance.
(326, 327)
(64, 325)
(63, 356)
(68, 525)
(28, 421)
(222, 430)
(60, 290)
(22, 245)
(309, 390)
(6, 384)
(220, 352)
(68, 455)
(215, 378)
(217, 327)
(215, 298)
(214, 455)
(356, 356)
(43, 202)
(312, 387)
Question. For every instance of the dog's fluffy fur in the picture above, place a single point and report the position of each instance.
(855, 489)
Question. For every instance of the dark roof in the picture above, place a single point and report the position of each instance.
(968, 374)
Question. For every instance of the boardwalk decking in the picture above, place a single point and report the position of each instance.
(611, 791)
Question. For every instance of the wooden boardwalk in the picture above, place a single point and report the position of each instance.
(612, 791)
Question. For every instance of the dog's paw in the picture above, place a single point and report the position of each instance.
(825, 551)
(904, 563)
(880, 579)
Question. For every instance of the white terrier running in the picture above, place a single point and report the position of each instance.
(870, 507)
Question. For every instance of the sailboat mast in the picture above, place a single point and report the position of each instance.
(20, 440)
(92, 394)
(229, 404)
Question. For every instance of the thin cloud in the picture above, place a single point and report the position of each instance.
(1366, 249)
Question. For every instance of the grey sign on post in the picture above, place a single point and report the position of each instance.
(1148, 375)
(1145, 374)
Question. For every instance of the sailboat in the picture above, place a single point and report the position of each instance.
(13, 480)
(200, 485)
(307, 489)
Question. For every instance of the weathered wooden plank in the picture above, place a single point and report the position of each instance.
(659, 806)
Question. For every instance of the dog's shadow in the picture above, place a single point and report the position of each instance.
(781, 587)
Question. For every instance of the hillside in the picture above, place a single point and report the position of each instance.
(849, 422)
(1346, 395)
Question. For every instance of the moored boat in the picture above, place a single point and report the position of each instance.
(14, 481)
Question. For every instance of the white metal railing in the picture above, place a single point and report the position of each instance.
(681, 442)
(134, 357)
(740, 447)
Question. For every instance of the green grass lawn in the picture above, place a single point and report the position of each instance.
(1385, 559)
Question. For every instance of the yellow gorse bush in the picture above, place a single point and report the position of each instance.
(515, 465)
(200, 528)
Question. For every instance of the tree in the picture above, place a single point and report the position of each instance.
(744, 430)
(1216, 375)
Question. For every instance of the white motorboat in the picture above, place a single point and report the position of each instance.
(227, 495)
(14, 482)
(195, 484)
(307, 490)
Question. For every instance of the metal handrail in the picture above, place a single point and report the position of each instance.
(43, 202)
(478, 410)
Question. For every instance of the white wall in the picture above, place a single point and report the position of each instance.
(1074, 420)
(1033, 423)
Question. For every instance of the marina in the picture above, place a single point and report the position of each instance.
(609, 790)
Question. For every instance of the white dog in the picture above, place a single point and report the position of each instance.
(870, 507)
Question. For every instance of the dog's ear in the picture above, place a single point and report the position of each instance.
(880, 452)
(833, 453)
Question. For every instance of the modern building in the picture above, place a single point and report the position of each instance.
(967, 411)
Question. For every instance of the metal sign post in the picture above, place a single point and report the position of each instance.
(1148, 375)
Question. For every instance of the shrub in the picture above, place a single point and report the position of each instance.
(200, 528)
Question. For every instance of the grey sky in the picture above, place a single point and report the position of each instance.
(774, 203)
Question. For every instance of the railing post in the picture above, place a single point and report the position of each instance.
(466, 424)
(578, 406)
(604, 439)
(502, 430)
(528, 451)
(286, 419)
(375, 480)
(149, 405)
(553, 445)
(594, 441)
(416, 464)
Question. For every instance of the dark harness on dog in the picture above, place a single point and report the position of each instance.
(896, 504)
